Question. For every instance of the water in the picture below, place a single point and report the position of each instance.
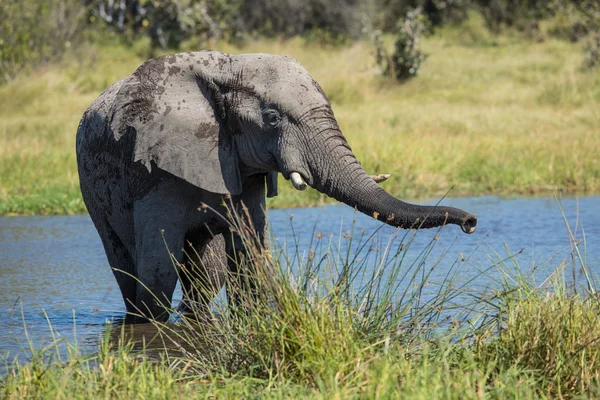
(53, 269)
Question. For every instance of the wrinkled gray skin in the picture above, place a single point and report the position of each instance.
(190, 129)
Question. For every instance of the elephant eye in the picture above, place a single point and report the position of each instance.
(271, 118)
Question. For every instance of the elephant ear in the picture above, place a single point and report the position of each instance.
(178, 115)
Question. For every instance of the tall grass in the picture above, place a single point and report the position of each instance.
(495, 115)
(340, 323)
(315, 313)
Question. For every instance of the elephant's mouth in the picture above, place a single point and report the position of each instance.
(469, 224)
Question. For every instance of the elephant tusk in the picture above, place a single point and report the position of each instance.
(297, 181)
(380, 178)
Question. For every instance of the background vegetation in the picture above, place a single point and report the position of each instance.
(505, 101)
(35, 31)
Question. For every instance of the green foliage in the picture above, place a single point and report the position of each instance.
(331, 318)
(579, 17)
(315, 313)
(567, 24)
(33, 32)
(592, 52)
(327, 18)
(329, 324)
(168, 23)
(573, 19)
(523, 14)
(555, 337)
(583, 18)
(404, 62)
(438, 12)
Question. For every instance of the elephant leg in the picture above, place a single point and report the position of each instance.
(120, 261)
(252, 206)
(160, 224)
(156, 251)
(205, 272)
(243, 282)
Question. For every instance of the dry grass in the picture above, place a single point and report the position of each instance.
(502, 116)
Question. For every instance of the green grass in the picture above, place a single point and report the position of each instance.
(547, 349)
(486, 115)
(336, 329)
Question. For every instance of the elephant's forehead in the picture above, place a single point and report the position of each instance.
(274, 78)
(281, 80)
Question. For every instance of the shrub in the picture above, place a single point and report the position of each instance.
(34, 32)
(575, 19)
(170, 22)
(324, 18)
(405, 61)
(438, 12)
(517, 13)
(592, 52)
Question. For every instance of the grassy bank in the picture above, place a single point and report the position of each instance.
(323, 332)
(435, 370)
(485, 116)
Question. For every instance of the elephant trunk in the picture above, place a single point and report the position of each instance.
(338, 174)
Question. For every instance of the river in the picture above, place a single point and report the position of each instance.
(53, 269)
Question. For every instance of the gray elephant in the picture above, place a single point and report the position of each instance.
(187, 131)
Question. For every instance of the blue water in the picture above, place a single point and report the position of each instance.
(53, 269)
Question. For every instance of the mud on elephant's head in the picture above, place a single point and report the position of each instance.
(214, 119)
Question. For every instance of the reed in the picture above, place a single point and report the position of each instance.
(352, 318)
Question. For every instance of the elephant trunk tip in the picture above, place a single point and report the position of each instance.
(469, 223)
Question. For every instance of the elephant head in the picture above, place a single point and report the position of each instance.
(215, 119)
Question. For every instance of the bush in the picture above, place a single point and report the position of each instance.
(326, 18)
(513, 13)
(574, 19)
(34, 32)
(170, 22)
(438, 12)
(592, 52)
(405, 61)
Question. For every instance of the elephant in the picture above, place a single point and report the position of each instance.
(161, 151)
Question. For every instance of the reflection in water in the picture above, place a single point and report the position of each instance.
(178, 338)
(152, 339)
(53, 269)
